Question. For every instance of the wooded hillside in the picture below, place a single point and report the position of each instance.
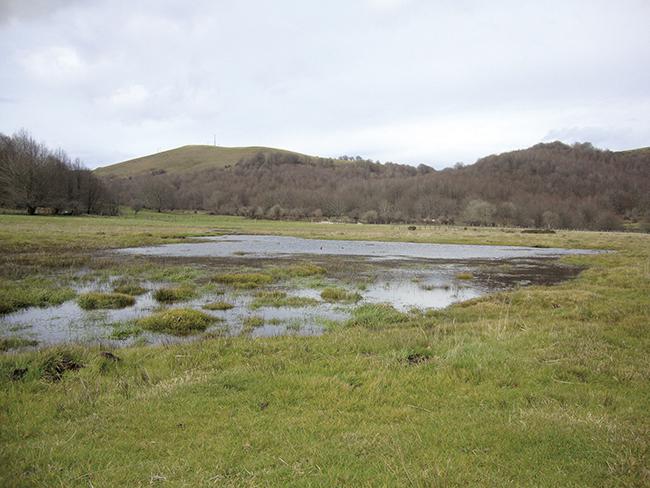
(548, 185)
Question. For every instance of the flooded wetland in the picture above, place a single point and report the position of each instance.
(273, 285)
(204, 348)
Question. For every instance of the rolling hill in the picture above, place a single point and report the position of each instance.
(547, 185)
(187, 159)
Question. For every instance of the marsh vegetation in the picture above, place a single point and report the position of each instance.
(543, 383)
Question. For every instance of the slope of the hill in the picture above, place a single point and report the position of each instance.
(186, 159)
(547, 185)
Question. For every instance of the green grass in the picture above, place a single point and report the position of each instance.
(175, 294)
(218, 306)
(186, 159)
(96, 300)
(244, 280)
(129, 288)
(376, 315)
(179, 321)
(32, 292)
(536, 387)
(56, 362)
(276, 298)
(301, 270)
(122, 332)
(335, 294)
(251, 323)
(465, 276)
(8, 343)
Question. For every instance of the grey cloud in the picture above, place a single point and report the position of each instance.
(29, 9)
(402, 80)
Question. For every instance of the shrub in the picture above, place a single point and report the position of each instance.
(179, 321)
(92, 301)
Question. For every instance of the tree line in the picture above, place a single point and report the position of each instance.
(551, 185)
(37, 179)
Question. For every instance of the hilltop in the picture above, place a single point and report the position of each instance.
(187, 159)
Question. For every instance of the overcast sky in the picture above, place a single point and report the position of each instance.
(413, 81)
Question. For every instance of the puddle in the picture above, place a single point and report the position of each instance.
(405, 275)
(70, 323)
(405, 296)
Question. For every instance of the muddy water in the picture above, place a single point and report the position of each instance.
(405, 275)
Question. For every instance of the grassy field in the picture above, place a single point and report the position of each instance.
(540, 386)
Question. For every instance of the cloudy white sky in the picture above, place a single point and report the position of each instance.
(414, 81)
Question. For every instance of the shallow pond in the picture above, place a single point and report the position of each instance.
(255, 246)
(406, 275)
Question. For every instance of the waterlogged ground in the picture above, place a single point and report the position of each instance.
(541, 386)
(254, 246)
(405, 275)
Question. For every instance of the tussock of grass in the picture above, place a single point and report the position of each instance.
(335, 294)
(416, 355)
(276, 298)
(123, 332)
(96, 300)
(244, 280)
(7, 343)
(179, 321)
(251, 323)
(171, 295)
(376, 315)
(56, 362)
(301, 270)
(31, 293)
(465, 276)
(128, 288)
(218, 306)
